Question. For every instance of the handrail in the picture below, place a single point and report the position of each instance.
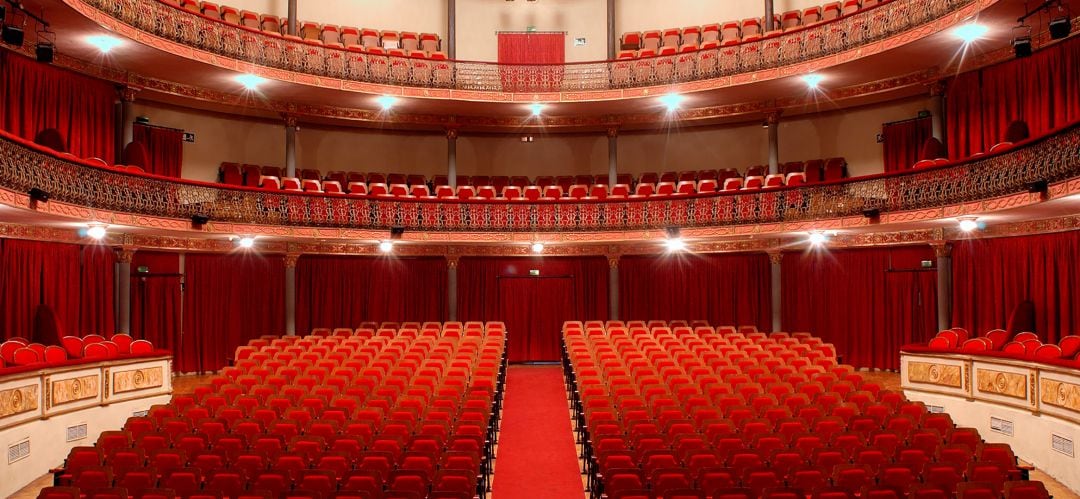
(799, 45)
(1051, 158)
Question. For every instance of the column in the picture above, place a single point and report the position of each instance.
(775, 259)
(943, 252)
(291, 126)
(124, 255)
(772, 122)
(451, 156)
(937, 110)
(451, 29)
(127, 119)
(611, 34)
(290, 293)
(451, 287)
(612, 156)
(769, 16)
(613, 286)
(291, 22)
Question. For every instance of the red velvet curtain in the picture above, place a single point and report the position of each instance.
(1042, 90)
(867, 302)
(343, 291)
(156, 299)
(35, 96)
(539, 58)
(165, 147)
(533, 307)
(724, 289)
(991, 277)
(903, 140)
(75, 282)
(229, 299)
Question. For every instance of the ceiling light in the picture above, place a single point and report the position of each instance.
(537, 247)
(246, 242)
(672, 101)
(386, 101)
(818, 238)
(96, 231)
(104, 43)
(675, 244)
(536, 108)
(813, 80)
(970, 32)
(386, 246)
(250, 81)
(968, 224)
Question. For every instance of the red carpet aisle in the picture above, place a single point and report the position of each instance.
(536, 457)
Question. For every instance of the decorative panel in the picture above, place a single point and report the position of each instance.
(18, 400)
(74, 389)
(1060, 393)
(1001, 383)
(137, 379)
(935, 374)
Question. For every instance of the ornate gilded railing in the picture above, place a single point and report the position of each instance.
(836, 36)
(1050, 159)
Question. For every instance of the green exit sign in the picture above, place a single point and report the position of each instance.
(534, 271)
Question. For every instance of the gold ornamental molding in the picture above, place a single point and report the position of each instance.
(72, 390)
(1061, 394)
(18, 400)
(935, 374)
(137, 379)
(1002, 383)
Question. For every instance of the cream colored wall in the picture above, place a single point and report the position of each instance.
(478, 20)
(357, 149)
(546, 155)
(640, 15)
(427, 16)
(693, 149)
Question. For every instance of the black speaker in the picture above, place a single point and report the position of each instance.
(3, 12)
(874, 215)
(12, 35)
(199, 220)
(673, 232)
(38, 195)
(396, 232)
(45, 52)
(1039, 187)
(1060, 28)
(1022, 46)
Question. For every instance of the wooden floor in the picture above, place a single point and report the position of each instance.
(887, 380)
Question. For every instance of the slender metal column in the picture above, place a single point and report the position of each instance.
(451, 29)
(776, 281)
(613, 156)
(772, 122)
(769, 24)
(290, 293)
(292, 21)
(127, 120)
(613, 286)
(291, 127)
(451, 156)
(611, 34)
(451, 287)
(937, 110)
(124, 255)
(943, 252)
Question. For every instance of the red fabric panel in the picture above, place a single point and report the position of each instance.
(532, 48)
(35, 96)
(903, 142)
(343, 291)
(96, 302)
(228, 300)
(1042, 90)
(852, 299)
(501, 289)
(991, 277)
(724, 289)
(165, 146)
(155, 300)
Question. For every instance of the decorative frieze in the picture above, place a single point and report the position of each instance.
(1001, 383)
(18, 400)
(137, 379)
(72, 390)
(935, 374)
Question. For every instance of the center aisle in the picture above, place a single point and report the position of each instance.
(536, 458)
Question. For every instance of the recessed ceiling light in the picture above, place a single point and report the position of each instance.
(970, 32)
(672, 101)
(96, 231)
(536, 108)
(968, 224)
(246, 242)
(817, 238)
(104, 43)
(537, 247)
(250, 81)
(675, 244)
(386, 246)
(386, 101)
(813, 80)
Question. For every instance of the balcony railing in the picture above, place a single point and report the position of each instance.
(1052, 158)
(805, 44)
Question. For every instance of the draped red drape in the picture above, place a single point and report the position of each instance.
(1042, 90)
(903, 140)
(724, 289)
(156, 299)
(532, 48)
(992, 276)
(165, 147)
(533, 307)
(35, 96)
(228, 300)
(343, 291)
(867, 302)
(74, 281)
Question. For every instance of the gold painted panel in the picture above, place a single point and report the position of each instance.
(1001, 383)
(18, 400)
(1060, 394)
(935, 374)
(74, 389)
(137, 379)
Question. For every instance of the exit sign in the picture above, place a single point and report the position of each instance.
(534, 272)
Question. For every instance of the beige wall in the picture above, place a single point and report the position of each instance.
(478, 20)
(640, 15)
(545, 155)
(356, 149)
(427, 16)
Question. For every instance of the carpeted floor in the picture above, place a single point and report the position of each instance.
(536, 457)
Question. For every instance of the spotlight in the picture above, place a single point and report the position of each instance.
(246, 242)
(250, 81)
(968, 224)
(1022, 46)
(386, 102)
(386, 246)
(1060, 28)
(818, 238)
(672, 101)
(537, 247)
(38, 195)
(104, 43)
(12, 35)
(44, 52)
(813, 80)
(536, 108)
(970, 32)
(675, 244)
(96, 231)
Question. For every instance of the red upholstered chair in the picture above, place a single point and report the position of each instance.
(136, 154)
(51, 138)
(55, 354)
(8, 348)
(73, 345)
(1048, 352)
(141, 347)
(26, 356)
(60, 493)
(1025, 489)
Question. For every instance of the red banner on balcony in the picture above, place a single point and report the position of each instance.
(540, 57)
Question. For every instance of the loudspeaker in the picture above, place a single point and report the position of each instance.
(1039, 187)
(45, 52)
(12, 35)
(396, 232)
(199, 220)
(38, 195)
(3, 12)
(874, 215)
(1060, 28)
(673, 232)
(1022, 46)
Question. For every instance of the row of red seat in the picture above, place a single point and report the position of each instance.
(399, 413)
(1023, 345)
(655, 421)
(19, 352)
